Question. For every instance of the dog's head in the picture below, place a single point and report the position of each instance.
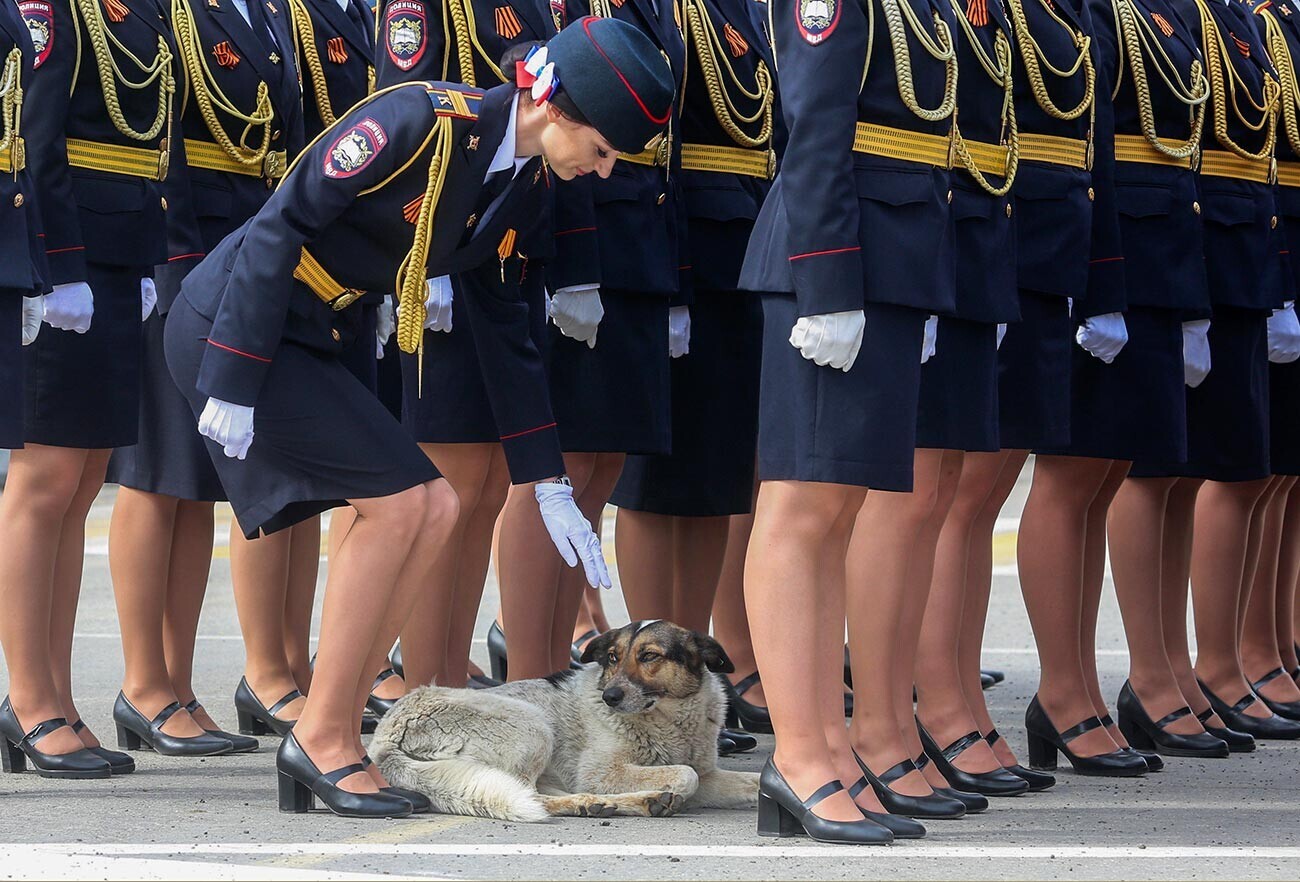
(643, 662)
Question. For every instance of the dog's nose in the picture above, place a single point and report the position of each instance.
(612, 696)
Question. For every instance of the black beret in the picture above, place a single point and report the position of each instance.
(615, 79)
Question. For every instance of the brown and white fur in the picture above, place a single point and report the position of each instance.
(634, 733)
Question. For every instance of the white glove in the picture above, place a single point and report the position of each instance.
(33, 315)
(1196, 352)
(148, 297)
(385, 324)
(571, 532)
(679, 331)
(1103, 335)
(928, 338)
(833, 338)
(230, 425)
(1284, 335)
(70, 307)
(577, 313)
(1002, 332)
(438, 305)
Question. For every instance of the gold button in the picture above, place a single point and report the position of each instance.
(1196, 207)
(1008, 209)
(1272, 222)
(950, 197)
(660, 200)
(163, 200)
(334, 332)
(18, 200)
(1092, 194)
(276, 136)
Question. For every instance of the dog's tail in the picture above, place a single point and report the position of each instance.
(459, 785)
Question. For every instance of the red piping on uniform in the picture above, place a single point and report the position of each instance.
(185, 257)
(212, 342)
(527, 432)
(578, 230)
(824, 253)
(659, 121)
(61, 250)
(1106, 260)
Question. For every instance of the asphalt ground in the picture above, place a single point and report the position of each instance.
(217, 818)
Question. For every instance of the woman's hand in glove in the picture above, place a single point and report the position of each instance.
(577, 313)
(230, 425)
(831, 339)
(70, 307)
(1196, 352)
(1103, 336)
(571, 532)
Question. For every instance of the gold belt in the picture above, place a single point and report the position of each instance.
(203, 154)
(1288, 174)
(1136, 148)
(1072, 152)
(14, 157)
(322, 284)
(1222, 164)
(990, 159)
(875, 140)
(731, 160)
(138, 162)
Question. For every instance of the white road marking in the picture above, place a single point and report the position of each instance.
(22, 862)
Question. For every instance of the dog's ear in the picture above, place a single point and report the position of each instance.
(712, 654)
(598, 648)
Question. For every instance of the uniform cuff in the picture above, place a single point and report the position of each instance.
(533, 454)
(828, 281)
(1106, 292)
(231, 374)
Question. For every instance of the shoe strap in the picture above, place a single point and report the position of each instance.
(192, 706)
(164, 715)
(1205, 715)
(896, 771)
(1172, 716)
(334, 777)
(860, 785)
(742, 686)
(827, 789)
(993, 737)
(1244, 702)
(43, 728)
(921, 761)
(366, 761)
(1267, 678)
(1106, 720)
(1078, 729)
(952, 751)
(585, 637)
(289, 697)
(78, 726)
(386, 674)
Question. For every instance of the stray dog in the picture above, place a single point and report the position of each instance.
(634, 734)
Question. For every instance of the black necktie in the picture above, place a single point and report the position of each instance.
(354, 13)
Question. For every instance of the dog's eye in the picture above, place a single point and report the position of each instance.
(647, 656)
(612, 658)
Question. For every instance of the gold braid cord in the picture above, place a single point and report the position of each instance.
(899, 19)
(1035, 60)
(713, 63)
(410, 282)
(11, 107)
(464, 30)
(998, 70)
(111, 77)
(304, 40)
(210, 99)
(1224, 81)
(1137, 42)
(1280, 51)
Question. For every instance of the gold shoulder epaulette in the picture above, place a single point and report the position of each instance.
(454, 102)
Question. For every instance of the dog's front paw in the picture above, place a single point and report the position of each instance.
(663, 804)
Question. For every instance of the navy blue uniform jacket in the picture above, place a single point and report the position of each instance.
(1284, 13)
(344, 42)
(22, 252)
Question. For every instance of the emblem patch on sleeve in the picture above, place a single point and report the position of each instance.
(405, 33)
(39, 18)
(817, 19)
(355, 149)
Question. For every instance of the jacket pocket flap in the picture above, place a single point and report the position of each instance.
(211, 200)
(895, 186)
(720, 203)
(618, 187)
(1134, 201)
(1229, 209)
(109, 194)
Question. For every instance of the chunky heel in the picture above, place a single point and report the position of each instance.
(13, 760)
(256, 718)
(294, 797)
(1135, 735)
(251, 725)
(774, 820)
(300, 782)
(1042, 754)
(128, 740)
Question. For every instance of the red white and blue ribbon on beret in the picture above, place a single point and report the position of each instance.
(537, 74)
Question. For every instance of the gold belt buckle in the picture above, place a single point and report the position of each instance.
(271, 166)
(346, 299)
(164, 160)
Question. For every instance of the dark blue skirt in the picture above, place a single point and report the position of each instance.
(361, 358)
(959, 388)
(1228, 414)
(1034, 367)
(11, 367)
(821, 424)
(83, 390)
(1284, 418)
(615, 398)
(710, 472)
(322, 437)
(1136, 406)
(170, 458)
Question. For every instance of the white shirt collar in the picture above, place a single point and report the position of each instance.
(343, 4)
(504, 159)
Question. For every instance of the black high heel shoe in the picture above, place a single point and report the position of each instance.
(1038, 781)
(996, 676)
(935, 806)
(577, 646)
(1155, 762)
(496, 648)
(256, 718)
(1045, 742)
(973, 802)
(1271, 727)
(395, 660)
(481, 681)
(740, 713)
(997, 782)
(1146, 734)
(734, 741)
(380, 706)
(19, 747)
(782, 813)
(240, 743)
(420, 804)
(1238, 742)
(136, 732)
(119, 763)
(901, 827)
(1287, 710)
(301, 781)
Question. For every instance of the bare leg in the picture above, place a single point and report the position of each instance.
(300, 599)
(730, 621)
(1288, 573)
(700, 549)
(1259, 647)
(644, 541)
(1094, 577)
(187, 583)
(1175, 578)
(259, 575)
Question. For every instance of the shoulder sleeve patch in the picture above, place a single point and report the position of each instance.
(38, 15)
(406, 32)
(355, 149)
(817, 19)
(454, 102)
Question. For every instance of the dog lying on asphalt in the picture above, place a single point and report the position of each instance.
(636, 733)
